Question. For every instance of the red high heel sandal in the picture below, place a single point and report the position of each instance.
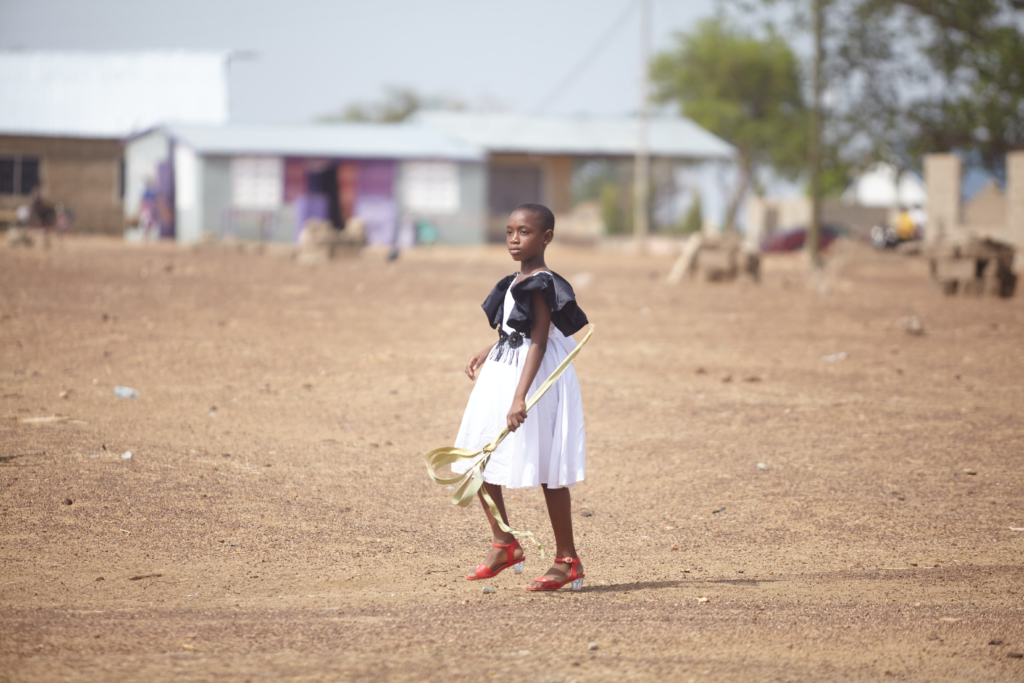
(484, 572)
(549, 584)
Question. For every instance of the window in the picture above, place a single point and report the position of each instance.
(257, 182)
(18, 175)
(7, 167)
(29, 175)
(431, 187)
(510, 186)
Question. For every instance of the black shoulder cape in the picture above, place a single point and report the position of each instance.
(566, 315)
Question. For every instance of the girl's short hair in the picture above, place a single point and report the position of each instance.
(547, 219)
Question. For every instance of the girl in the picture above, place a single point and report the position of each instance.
(536, 315)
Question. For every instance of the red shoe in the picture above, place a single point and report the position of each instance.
(484, 572)
(549, 584)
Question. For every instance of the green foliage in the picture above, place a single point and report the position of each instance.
(590, 177)
(746, 90)
(694, 220)
(601, 180)
(835, 173)
(611, 209)
(743, 88)
(909, 77)
(941, 75)
(833, 181)
(398, 104)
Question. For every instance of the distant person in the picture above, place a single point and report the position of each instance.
(65, 218)
(41, 212)
(536, 315)
(148, 223)
(904, 225)
(920, 218)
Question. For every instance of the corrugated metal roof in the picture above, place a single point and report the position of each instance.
(347, 140)
(578, 135)
(109, 94)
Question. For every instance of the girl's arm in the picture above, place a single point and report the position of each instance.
(538, 345)
(476, 360)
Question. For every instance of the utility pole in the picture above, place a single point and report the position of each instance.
(814, 146)
(641, 177)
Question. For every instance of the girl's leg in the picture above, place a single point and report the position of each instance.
(559, 503)
(497, 556)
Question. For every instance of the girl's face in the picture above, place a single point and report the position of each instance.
(523, 236)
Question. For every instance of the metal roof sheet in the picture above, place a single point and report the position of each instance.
(674, 137)
(109, 94)
(347, 140)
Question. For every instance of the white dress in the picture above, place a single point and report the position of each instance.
(550, 446)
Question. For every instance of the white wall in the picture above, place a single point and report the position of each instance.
(257, 182)
(141, 157)
(216, 172)
(460, 213)
(188, 195)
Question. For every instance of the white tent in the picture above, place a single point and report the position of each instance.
(879, 187)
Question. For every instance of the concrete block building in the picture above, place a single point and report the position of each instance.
(460, 172)
(100, 131)
(974, 248)
(63, 116)
(263, 182)
(992, 213)
(538, 158)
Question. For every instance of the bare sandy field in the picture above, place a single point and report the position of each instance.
(751, 512)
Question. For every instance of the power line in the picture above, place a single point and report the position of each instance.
(588, 58)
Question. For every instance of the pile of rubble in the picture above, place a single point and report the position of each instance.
(319, 241)
(27, 238)
(975, 267)
(721, 258)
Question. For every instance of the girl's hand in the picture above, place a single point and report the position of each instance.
(516, 414)
(538, 345)
(476, 360)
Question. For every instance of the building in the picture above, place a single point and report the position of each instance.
(63, 116)
(874, 197)
(991, 213)
(263, 182)
(982, 197)
(461, 173)
(549, 159)
(66, 118)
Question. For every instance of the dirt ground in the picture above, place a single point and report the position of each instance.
(751, 511)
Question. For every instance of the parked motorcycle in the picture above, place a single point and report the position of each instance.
(884, 237)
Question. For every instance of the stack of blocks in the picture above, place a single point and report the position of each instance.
(972, 260)
(319, 241)
(723, 258)
(976, 267)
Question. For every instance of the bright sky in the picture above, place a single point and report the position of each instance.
(315, 57)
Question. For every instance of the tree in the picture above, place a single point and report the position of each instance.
(932, 76)
(745, 89)
(908, 77)
(694, 220)
(398, 104)
(814, 133)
